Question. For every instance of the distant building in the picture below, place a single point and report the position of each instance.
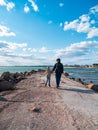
(95, 65)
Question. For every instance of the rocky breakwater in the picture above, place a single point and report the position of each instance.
(87, 85)
(9, 80)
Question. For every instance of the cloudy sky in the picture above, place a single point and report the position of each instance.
(36, 32)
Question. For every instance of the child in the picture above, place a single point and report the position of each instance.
(48, 75)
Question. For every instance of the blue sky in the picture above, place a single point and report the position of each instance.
(37, 32)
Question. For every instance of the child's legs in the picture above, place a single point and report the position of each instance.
(46, 81)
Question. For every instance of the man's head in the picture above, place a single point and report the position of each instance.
(58, 60)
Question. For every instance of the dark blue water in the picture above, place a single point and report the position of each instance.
(86, 74)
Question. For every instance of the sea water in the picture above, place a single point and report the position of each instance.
(86, 74)
(14, 69)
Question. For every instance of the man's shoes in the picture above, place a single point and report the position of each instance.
(57, 86)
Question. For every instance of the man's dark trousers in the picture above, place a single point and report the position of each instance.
(58, 77)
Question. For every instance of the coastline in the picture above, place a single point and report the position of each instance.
(86, 74)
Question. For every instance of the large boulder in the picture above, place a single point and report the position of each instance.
(5, 85)
(92, 86)
(6, 76)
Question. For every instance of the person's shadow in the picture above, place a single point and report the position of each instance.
(78, 90)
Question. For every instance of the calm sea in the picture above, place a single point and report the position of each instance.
(86, 74)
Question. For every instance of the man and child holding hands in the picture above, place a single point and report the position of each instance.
(58, 69)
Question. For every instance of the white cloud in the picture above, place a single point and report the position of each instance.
(20, 54)
(83, 25)
(12, 54)
(71, 25)
(34, 5)
(15, 60)
(92, 33)
(80, 49)
(26, 9)
(79, 25)
(30, 50)
(61, 24)
(4, 31)
(84, 52)
(43, 50)
(4, 61)
(13, 57)
(37, 50)
(50, 22)
(2, 3)
(8, 5)
(11, 46)
(93, 22)
(14, 46)
(61, 4)
(94, 9)
(84, 18)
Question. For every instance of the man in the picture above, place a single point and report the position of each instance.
(58, 68)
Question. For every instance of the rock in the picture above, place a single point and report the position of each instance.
(17, 74)
(95, 88)
(66, 74)
(5, 85)
(33, 71)
(35, 109)
(89, 85)
(25, 73)
(79, 80)
(92, 86)
(72, 78)
(6, 76)
(1, 79)
(19, 78)
(40, 70)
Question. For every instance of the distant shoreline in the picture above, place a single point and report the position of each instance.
(51, 66)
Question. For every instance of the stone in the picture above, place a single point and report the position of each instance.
(79, 80)
(66, 74)
(6, 76)
(92, 86)
(5, 85)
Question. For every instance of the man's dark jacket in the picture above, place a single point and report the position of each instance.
(58, 68)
